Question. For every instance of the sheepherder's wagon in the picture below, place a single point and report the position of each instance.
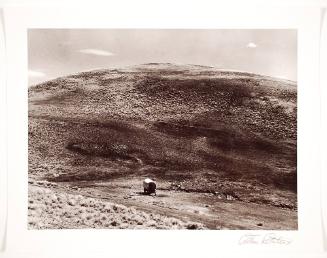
(149, 186)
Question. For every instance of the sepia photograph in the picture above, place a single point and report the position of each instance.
(162, 129)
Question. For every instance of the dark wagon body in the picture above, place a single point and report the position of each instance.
(149, 186)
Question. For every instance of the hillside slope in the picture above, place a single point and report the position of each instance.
(193, 128)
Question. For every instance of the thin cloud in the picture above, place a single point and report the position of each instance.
(251, 45)
(97, 52)
(32, 73)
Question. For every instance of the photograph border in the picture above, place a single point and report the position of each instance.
(306, 20)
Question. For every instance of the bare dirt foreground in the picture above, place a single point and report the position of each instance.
(220, 144)
(120, 204)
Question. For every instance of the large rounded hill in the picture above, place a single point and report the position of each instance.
(206, 129)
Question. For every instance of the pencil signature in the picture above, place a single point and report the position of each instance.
(270, 238)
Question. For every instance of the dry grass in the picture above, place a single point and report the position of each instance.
(50, 209)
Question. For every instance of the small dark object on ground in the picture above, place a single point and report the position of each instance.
(149, 186)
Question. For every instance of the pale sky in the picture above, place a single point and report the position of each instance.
(58, 52)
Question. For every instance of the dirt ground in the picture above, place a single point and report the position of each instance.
(191, 210)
